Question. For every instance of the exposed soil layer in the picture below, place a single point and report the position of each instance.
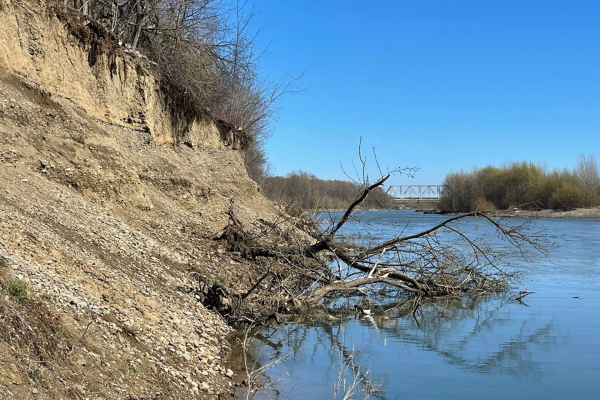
(106, 226)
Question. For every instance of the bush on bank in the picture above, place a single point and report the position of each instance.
(524, 185)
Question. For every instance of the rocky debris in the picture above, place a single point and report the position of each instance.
(108, 231)
(109, 225)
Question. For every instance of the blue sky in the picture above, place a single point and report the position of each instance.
(438, 85)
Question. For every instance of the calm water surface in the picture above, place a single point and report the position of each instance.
(490, 348)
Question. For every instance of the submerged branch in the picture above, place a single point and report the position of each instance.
(439, 261)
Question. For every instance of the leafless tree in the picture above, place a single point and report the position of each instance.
(588, 177)
(437, 262)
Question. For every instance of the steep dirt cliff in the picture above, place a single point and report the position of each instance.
(107, 222)
(71, 57)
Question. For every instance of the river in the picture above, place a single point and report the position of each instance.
(547, 346)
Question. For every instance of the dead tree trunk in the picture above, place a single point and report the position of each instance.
(420, 264)
(139, 20)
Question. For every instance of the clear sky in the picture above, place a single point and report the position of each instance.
(439, 85)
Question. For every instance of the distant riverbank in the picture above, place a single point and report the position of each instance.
(546, 213)
(576, 213)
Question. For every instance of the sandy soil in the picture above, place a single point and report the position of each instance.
(108, 225)
(577, 213)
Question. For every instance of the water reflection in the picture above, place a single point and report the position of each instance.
(460, 331)
(481, 336)
(492, 348)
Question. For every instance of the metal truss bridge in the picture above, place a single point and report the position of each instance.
(415, 192)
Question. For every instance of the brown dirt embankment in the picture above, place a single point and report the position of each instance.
(107, 225)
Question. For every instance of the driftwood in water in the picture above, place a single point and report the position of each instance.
(439, 261)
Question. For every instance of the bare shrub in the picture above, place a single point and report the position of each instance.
(306, 191)
(588, 178)
(205, 52)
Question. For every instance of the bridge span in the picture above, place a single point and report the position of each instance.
(415, 192)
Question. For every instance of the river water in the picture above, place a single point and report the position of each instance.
(547, 347)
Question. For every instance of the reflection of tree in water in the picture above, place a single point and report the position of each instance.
(315, 338)
(479, 335)
(460, 331)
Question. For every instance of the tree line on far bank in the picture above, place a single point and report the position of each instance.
(306, 191)
(524, 185)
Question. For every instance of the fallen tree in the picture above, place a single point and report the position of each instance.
(293, 275)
